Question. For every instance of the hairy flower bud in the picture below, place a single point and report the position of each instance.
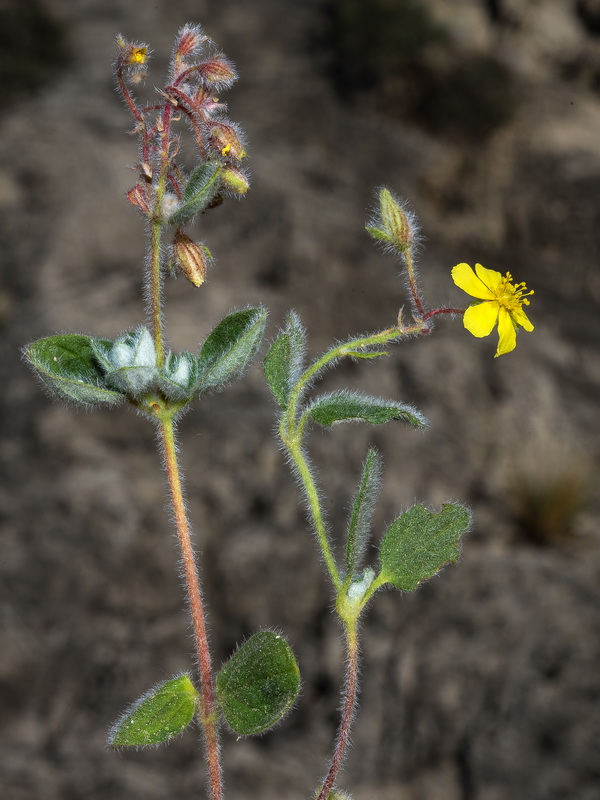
(191, 258)
(217, 72)
(132, 59)
(189, 40)
(137, 197)
(395, 221)
(234, 180)
(394, 225)
(226, 139)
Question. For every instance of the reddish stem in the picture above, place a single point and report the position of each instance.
(128, 98)
(343, 736)
(190, 113)
(442, 311)
(192, 584)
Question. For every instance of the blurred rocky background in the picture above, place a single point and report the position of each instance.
(484, 685)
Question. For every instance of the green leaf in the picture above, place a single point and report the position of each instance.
(68, 367)
(378, 234)
(362, 511)
(419, 543)
(343, 406)
(102, 349)
(230, 348)
(179, 376)
(157, 716)
(258, 684)
(200, 189)
(284, 361)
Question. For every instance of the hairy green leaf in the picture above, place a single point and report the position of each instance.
(362, 511)
(419, 542)
(179, 376)
(378, 234)
(157, 716)
(342, 406)
(68, 366)
(258, 684)
(230, 348)
(200, 189)
(283, 363)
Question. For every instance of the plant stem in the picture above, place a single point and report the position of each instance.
(156, 292)
(351, 348)
(417, 303)
(350, 692)
(208, 717)
(312, 495)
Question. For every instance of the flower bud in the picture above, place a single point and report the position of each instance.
(191, 258)
(234, 180)
(226, 139)
(137, 197)
(132, 58)
(395, 222)
(217, 72)
(189, 40)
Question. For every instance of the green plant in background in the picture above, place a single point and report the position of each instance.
(260, 682)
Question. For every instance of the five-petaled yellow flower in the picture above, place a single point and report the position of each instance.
(502, 305)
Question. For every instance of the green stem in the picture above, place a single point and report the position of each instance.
(291, 430)
(312, 495)
(155, 294)
(208, 716)
(353, 347)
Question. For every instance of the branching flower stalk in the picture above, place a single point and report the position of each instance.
(354, 586)
(157, 167)
(259, 683)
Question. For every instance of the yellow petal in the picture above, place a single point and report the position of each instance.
(521, 318)
(480, 318)
(464, 277)
(489, 277)
(507, 333)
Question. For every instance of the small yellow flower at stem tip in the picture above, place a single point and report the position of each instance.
(138, 55)
(502, 305)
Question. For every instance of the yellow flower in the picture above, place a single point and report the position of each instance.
(138, 55)
(502, 306)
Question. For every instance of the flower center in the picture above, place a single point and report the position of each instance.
(512, 295)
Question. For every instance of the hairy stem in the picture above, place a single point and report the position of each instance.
(208, 717)
(417, 303)
(312, 496)
(155, 293)
(349, 704)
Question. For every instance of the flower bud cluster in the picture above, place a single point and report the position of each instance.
(197, 72)
(129, 365)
